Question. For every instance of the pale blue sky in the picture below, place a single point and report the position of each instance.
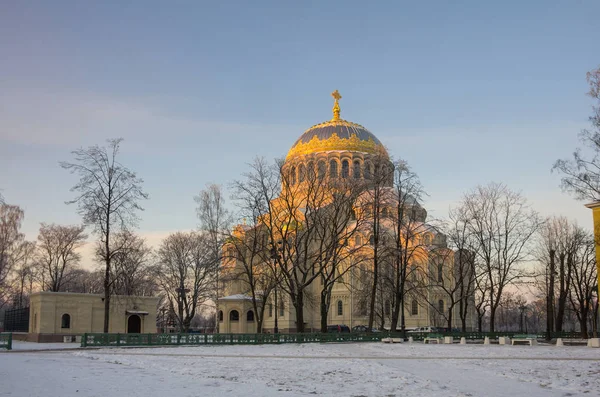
(468, 92)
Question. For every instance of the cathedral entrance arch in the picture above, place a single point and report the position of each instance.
(134, 324)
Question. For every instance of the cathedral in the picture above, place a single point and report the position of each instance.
(344, 235)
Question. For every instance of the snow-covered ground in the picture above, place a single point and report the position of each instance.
(348, 369)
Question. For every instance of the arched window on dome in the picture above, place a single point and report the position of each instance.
(301, 173)
(321, 170)
(440, 273)
(441, 306)
(345, 169)
(356, 169)
(293, 176)
(367, 170)
(333, 169)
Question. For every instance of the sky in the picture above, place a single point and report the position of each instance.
(468, 92)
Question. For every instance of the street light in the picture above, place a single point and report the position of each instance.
(522, 308)
(275, 257)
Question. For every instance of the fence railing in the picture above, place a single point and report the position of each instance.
(6, 340)
(259, 339)
(221, 339)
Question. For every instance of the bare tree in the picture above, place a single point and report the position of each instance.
(502, 224)
(85, 281)
(337, 225)
(405, 218)
(581, 174)
(215, 221)
(57, 253)
(584, 273)
(464, 270)
(186, 273)
(130, 265)
(250, 255)
(11, 217)
(108, 196)
(559, 242)
(376, 195)
(24, 272)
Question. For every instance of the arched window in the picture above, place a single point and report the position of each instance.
(414, 310)
(65, 321)
(293, 176)
(441, 306)
(388, 308)
(357, 241)
(384, 212)
(310, 171)
(333, 169)
(250, 316)
(372, 240)
(340, 307)
(301, 173)
(234, 315)
(270, 310)
(367, 170)
(427, 239)
(345, 169)
(220, 315)
(321, 170)
(440, 273)
(356, 170)
(281, 309)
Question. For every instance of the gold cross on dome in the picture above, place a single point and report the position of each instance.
(336, 95)
(336, 106)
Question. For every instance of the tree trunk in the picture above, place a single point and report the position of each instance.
(562, 296)
(492, 317)
(373, 290)
(324, 312)
(299, 307)
(107, 294)
(550, 298)
(583, 322)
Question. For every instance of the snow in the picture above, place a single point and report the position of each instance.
(20, 345)
(348, 369)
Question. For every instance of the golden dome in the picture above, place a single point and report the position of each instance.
(336, 135)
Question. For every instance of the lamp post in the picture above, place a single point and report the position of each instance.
(522, 310)
(275, 257)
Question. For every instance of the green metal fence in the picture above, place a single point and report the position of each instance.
(6, 340)
(221, 339)
(259, 339)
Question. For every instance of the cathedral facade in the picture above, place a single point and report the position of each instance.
(346, 240)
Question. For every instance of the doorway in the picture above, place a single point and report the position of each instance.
(134, 324)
